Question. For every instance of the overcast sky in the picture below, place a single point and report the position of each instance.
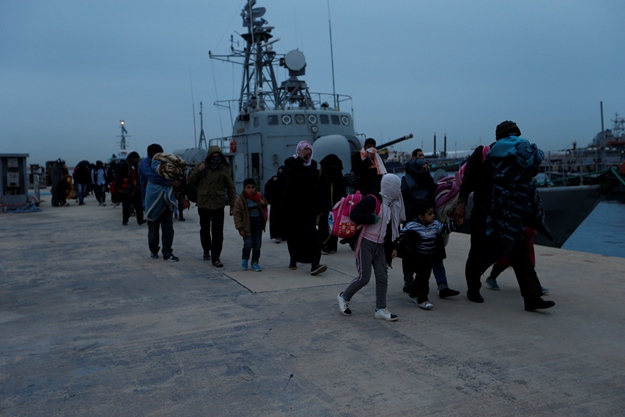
(70, 70)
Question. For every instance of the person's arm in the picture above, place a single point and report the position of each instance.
(232, 192)
(471, 174)
(146, 171)
(363, 213)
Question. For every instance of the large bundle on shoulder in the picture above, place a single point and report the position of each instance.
(170, 166)
(339, 219)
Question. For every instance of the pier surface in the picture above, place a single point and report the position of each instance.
(92, 326)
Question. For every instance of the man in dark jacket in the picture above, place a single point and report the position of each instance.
(485, 176)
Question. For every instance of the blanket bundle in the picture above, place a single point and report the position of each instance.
(171, 167)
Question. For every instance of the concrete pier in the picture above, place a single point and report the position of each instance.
(90, 325)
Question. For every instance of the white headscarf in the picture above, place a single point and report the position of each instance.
(394, 202)
(300, 147)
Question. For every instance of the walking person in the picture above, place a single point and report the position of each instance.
(57, 177)
(376, 244)
(418, 188)
(505, 202)
(215, 190)
(250, 218)
(274, 194)
(419, 240)
(155, 192)
(98, 178)
(129, 188)
(301, 209)
(332, 188)
(82, 179)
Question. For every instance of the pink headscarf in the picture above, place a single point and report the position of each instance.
(300, 147)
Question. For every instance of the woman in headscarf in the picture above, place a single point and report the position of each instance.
(301, 203)
(376, 243)
(274, 192)
(332, 188)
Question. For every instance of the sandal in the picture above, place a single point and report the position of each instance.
(207, 257)
(218, 264)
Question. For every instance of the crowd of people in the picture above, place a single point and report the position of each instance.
(396, 217)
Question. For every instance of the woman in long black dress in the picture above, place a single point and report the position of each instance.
(274, 193)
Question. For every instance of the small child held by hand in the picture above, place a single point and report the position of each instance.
(417, 242)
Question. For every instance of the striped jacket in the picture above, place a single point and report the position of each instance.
(419, 239)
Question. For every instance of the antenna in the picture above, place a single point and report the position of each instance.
(332, 59)
(193, 110)
(202, 137)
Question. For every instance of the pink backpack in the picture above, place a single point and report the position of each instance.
(340, 223)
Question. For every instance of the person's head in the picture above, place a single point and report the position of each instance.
(425, 213)
(418, 153)
(153, 149)
(249, 186)
(369, 143)
(133, 157)
(304, 150)
(99, 164)
(421, 164)
(390, 187)
(281, 170)
(506, 129)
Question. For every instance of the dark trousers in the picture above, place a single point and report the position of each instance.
(99, 192)
(212, 231)
(253, 243)
(478, 262)
(127, 201)
(420, 288)
(329, 243)
(165, 223)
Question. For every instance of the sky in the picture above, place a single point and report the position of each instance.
(70, 70)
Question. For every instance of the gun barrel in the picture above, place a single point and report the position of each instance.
(387, 144)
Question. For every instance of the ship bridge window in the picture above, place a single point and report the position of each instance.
(272, 119)
(312, 119)
(300, 119)
(345, 120)
(324, 119)
(335, 119)
(286, 119)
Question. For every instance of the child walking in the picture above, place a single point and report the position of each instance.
(375, 244)
(417, 243)
(250, 217)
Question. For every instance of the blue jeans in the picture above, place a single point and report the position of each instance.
(253, 242)
(81, 189)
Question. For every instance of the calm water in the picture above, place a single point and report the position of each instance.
(603, 232)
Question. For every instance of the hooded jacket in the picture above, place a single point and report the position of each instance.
(215, 188)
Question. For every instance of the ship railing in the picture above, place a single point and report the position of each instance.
(318, 101)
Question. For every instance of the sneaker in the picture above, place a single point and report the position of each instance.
(492, 284)
(447, 292)
(171, 258)
(293, 266)
(315, 270)
(426, 305)
(154, 255)
(244, 263)
(343, 305)
(544, 290)
(406, 289)
(384, 314)
(207, 257)
(256, 267)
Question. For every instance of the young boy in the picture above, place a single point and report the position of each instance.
(417, 242)
(374, 249)
(250, 217)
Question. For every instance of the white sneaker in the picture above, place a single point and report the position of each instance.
(426, 305)
(384, 314)
(343, 305)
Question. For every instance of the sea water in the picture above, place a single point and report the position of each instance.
(603, 231)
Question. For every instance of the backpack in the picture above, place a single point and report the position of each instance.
(339, 222)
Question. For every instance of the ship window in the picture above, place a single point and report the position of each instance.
(345, 120)
(300, 119)
(335, 119)
(312, 119)
(272, 119)
(286, 119)
(324, 119)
